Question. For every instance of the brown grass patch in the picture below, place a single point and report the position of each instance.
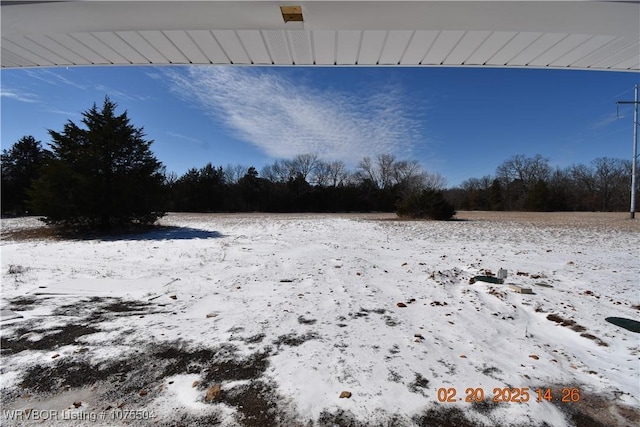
(595, 220)
(39, 233)
(573, 325)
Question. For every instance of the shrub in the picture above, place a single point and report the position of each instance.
(427, 204)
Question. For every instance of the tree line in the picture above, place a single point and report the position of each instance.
(102, 174)
(302, 184)
(524, 183)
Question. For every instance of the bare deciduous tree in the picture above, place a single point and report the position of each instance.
(386, 165)
(367, 171)
(610, 180)
(233, 173)
(338, 173)
(304, 164)
(527, 170)
(434, 181)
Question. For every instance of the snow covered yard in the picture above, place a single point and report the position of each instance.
(285, 312)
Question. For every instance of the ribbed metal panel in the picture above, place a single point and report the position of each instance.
(137, 42)
(466, 47)
(187, 46)
(631, 52)
(107, 54)
(160, 42)
(418, 46)
(28, 47)
(371, 48)
(629, 64)
(348, 46)
(513, 48)
(563, 47)
(324, 46)
(444, 43)
(537, 48)
(277, 43)
(586, 48)
(606, 51)
(492, 45)
(59, 49)
(113, 41)
(13, 59)
(255, 46)
(395, 46)
(582, 35)
(230, 43)
(209, 46)
(80, 49)
(301, 47)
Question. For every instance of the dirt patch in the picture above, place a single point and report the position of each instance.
(23, 303)
(51, 340)
(215, 365)
(338, 418)
(380, 311)
(257, 404)
(443, 417)
(485, 406)
(344, 418)
(492, 372)
(102, 309)
(36, 233)
(391, 321)
(294, 340)
(188, 420)
(72, 373)
(419, 384)
(122, 306)
(302, 320)
(248, 368)
(120, 380)
(595, 410)
(253, 339)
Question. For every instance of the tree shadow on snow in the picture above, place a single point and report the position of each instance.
(133, 233)
(167, 233)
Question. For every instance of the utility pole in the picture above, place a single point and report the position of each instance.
(634, 162)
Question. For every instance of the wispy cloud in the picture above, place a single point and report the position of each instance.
(19, 95)
(606, 120)
(64, 112)
(186, 138)
(54, 78)
(118, 94)
(285, 118)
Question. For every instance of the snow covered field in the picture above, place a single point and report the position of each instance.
(286, 312)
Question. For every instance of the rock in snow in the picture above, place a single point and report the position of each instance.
(213, 393)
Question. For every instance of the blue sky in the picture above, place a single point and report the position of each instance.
(459, 122)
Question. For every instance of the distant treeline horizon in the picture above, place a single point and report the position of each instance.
(307, 183)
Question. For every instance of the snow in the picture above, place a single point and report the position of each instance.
(320, 294)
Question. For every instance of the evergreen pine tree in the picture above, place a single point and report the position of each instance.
(21, 165)
(101, 175)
